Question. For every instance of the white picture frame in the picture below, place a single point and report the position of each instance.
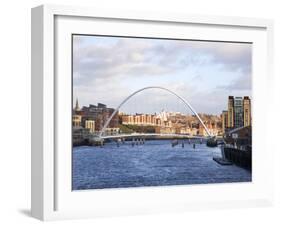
(52, 197)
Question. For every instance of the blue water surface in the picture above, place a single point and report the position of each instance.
(156, 163)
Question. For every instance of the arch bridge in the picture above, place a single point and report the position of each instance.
(102, 134)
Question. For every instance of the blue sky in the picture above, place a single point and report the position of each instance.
(108, 69)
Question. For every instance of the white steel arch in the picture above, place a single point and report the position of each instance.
(153, 87)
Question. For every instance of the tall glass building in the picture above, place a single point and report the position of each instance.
(238, 112)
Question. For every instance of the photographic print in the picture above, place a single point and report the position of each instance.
(159, 112)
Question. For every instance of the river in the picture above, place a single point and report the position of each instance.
(156, 163)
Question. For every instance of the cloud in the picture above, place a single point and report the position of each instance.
(232, 56)
(243, 82)
(107, 69)
(136, 57)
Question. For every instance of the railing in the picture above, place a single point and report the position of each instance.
(151, 135)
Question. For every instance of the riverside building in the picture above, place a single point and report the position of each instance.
(238, 113)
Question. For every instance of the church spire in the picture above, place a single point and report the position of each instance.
(77, 108)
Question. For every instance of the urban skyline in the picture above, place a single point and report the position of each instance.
(93, 117)
(202, 72)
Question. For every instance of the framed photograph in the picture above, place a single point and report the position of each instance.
(136, 113)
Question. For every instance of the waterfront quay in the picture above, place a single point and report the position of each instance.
(95, 140)
(241, 158)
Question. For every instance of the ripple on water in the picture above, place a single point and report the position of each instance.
(154, 164)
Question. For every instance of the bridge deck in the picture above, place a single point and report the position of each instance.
(151, 135)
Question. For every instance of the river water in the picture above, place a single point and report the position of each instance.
(155, 163)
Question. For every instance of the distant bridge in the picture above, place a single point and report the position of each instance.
(141, 135)
(185, 102)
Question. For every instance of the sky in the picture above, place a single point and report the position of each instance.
(108, 69)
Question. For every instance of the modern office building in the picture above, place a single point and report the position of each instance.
(230, 114)
(247, 111)
(224, 120)
(238, 112)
